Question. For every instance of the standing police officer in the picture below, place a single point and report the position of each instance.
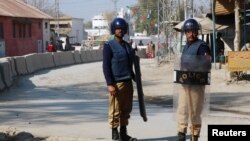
(118, 59)
(195, 66)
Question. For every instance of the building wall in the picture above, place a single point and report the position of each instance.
(99, 22)
(77, 30)
(74, 28)
(46, 34)
(15, 46)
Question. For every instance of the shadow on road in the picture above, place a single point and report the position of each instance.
(172, 138)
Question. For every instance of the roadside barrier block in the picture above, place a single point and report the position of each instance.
(2, 85)
(47, 60)
(20, 64)
(89, 55)
(77, 56)
(83, 56)
(95, 55)
(99, 55)
(32, 62)
(6, 73)
(63, 58)
(12, 65)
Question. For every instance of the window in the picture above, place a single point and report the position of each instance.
(14, 30)
(1, 31)
(46, 25)
(30, 27)
(24, 30)
(39, 25)
(20, 30)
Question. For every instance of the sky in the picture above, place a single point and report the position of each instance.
(87, 9)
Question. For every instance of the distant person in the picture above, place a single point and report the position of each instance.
(67, 44)
(153, 48)
(130, 42)
(140, 43)
(59, 45)
(219, 45)
(118, 60)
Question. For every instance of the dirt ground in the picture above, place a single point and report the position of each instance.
(227, 96)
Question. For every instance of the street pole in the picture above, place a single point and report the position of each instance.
(244, 27)
(185, 9)
(158, 21)
(214, 43)
(158, 32)
(115, 7)
(57, 16)
(192, 8)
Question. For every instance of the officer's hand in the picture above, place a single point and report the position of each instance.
(134, 79)
(112, 89)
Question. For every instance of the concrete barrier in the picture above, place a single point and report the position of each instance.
(77, 57)
(94, 55)
(2, 85)
(6, 73)
(32, 62)
(47, 60)
(20, 64)
(89, 55)
(83, 56)
(99, 55)
(63, 58)
(12, 66)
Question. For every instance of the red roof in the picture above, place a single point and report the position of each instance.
(17, 8)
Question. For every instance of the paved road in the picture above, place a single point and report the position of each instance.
(70, 104)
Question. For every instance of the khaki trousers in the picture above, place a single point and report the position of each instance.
(190, 105)
(120, 106)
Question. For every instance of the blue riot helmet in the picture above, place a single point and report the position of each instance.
(119, 23)
(191, 25)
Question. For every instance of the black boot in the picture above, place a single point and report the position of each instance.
(195, 138)
(124, 136)
(181, 136)
(115, 134)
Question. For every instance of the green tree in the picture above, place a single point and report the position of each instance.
(145, 15)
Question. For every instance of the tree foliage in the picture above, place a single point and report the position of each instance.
(145, 15)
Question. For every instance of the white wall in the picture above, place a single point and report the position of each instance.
(97, 32)
(77, 30)
(46, 34)
(99, 22)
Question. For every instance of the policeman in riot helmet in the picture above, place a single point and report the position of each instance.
(117, 68)
(195, 60)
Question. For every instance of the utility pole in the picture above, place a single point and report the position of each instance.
(115, 7)
(57, 16)
(188, 5)
(162, 16)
